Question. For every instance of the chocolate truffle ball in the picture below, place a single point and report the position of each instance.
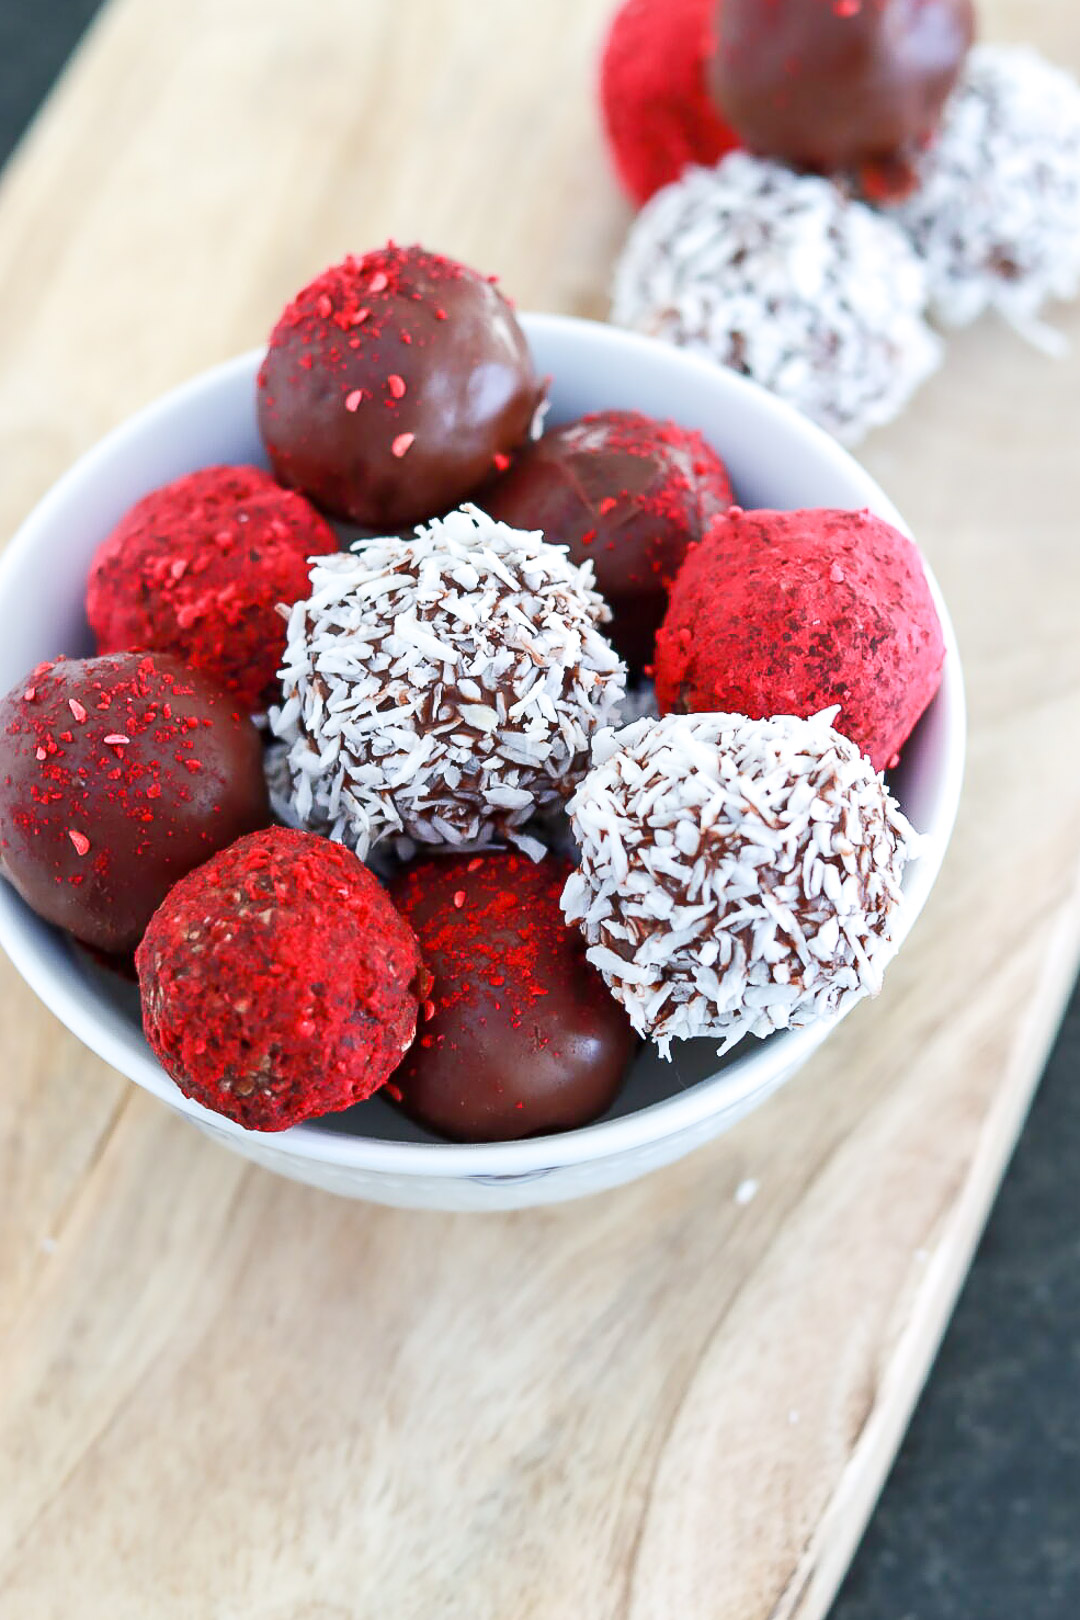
(626, 493)
(839, 85)
(198, 568)
(118, 775)
(737, 876)
(996, 213)
(786, 279)
(446, 687)
(394, 385)
(789, 612)
(278, 982)
(658, 114)
(834, 85)
(519, 1036)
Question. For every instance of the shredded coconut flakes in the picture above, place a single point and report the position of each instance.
(783, 277)
(737, 876)
(444, 687)
(996, 216)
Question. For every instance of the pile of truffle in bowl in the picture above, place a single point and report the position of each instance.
(541, 754)
(825, 184)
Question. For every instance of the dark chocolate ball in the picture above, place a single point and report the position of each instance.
(833, 85)
(394, 385)
(520, 1036)
(626, 493)
(117, 776)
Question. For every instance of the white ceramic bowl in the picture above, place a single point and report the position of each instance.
(776, 458)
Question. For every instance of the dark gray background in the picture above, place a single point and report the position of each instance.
(980, 1519)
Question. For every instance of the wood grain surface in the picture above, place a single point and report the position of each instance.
(223, 1395)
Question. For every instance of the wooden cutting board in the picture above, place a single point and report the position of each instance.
(223, 1395)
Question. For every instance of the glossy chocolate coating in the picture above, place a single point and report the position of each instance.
(627, 494)
(94, 832)
(393, 386)
(520, 1036)
(835, 85)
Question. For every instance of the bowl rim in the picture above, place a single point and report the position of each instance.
(743, 1076)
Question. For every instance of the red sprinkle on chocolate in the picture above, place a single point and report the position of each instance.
(151, 821)
(501, 460)
(627, 492)
(525, 1036)
(387, 335)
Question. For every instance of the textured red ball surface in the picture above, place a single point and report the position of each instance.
(657, 110)
(626, 493)
(278, 981)
(394, 385)
(790, 612)
(520, 1035)
(197, 569)
(117, 776)
(839, 85)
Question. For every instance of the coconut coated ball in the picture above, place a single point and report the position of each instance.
(996, 214)
(278, 982)
(737, 876)
(791, 612)
(786, 279)
(445, 687)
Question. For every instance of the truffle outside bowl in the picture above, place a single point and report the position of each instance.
(776, 458)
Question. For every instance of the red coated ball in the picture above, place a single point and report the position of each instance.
(520, 1036)
(278, 981)
(117, 776)
(198, 568)
(791, 612)
(394, 385)
(626, 493)
(658, 114)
